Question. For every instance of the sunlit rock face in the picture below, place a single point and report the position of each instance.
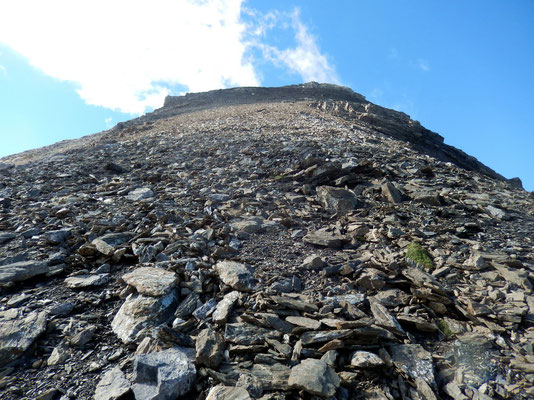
(264, 243)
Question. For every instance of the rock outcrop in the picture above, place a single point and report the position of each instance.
(264, 243)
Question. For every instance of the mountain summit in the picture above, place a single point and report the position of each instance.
(264, 243)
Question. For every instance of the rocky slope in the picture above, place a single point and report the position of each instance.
(295, 242)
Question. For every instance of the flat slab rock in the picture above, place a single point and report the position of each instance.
(83, 281)
(315, 377)
(323, 238)
(221, 392)
(151, 281)
(22, 270)
(18, 332)
(112, 386)
(414, 361)
(140, 312)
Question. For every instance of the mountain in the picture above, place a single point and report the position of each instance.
(273, 243)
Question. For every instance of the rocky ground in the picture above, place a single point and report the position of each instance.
(315, 248)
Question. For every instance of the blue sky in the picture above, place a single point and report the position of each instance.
(463, 69)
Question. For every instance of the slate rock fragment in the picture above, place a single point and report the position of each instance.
(314, 377)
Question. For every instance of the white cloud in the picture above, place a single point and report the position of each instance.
(305, 58)
(128, 55)
(109, 122)
(3, 70)
(124, 54)
(423, 64)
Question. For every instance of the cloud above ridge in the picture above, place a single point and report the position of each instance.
(128, 55)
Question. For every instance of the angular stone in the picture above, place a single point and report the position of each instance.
(337, 200)
(384, 318)
(224, 307)
(323, 238)
(304, 322)
(365, 359)
(112, 386)
(294, 304)
(140, 194)
(209, 348)
(164, 375)
(431, 199)
(151, 281)
(247, 334)
(235, 275)
(5, 237)
(313, 262)
(59, 355)
(22, 270)
(57, 236)
(221, 392)
(419, 323)
(413, 361)
(391, 298)
(272, 377)
(314, 337)
(140, 312)
(83, 281)
(391, 193)
(107, 244)
(371, 279)
(315, 377)
(18, 332)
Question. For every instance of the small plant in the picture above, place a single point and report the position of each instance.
(418, 255)
(445, 329)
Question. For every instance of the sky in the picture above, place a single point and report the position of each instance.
(464, 69)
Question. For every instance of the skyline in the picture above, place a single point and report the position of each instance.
(462, 70)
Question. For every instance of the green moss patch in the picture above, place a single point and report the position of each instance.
(417, 254)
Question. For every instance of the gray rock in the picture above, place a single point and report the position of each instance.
(81, 338)
(62, 310)
(304, 322)
(140, 312)
(57, 236)
(391, 193)
(247, 334)
(108, 243)
(272, 377)
(431, 199)
(235, 275)
(313, 262)
(18, 332)
(496, 212)
(59, 355)
(323, 238)
(365, 359)
(337, 200)
(22, 270)
(84, 281)
(164, 375)
(315, 377)
(413, 361)
(5, 237)
(209, 348)
(221, 392)
(140, 194)
(151, 281)
(205, 310)
(224, 307)
(112, 386)
(384, 318)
